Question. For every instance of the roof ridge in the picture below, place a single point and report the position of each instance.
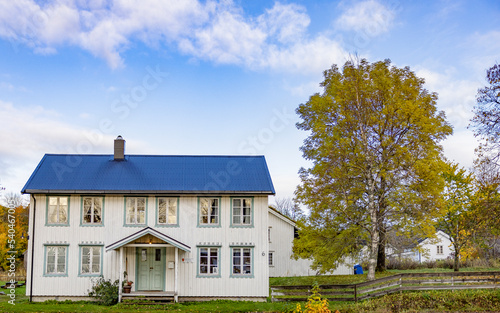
(162, 155)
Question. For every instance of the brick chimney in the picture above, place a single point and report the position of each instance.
(119, 149)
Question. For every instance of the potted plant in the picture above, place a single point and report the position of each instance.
(127, 284)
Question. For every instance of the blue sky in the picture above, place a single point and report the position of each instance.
(217, 77)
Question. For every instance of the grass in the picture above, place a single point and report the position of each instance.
(433, 301)
(355, 279)
(22, 304)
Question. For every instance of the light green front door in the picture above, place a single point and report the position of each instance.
(150, 268)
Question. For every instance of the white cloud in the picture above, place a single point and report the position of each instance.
(287, 23)
(275, 40)
(459, 148)
(370, 17)
(34, 131)
(456, 99)
(483, 51)
(215, 31)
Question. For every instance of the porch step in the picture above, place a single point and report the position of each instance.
(147, 300)
(147, 297)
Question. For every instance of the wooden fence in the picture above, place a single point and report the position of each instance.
(6, 277)
(391, 284)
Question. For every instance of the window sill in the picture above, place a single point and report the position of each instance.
(209, 226)
(90, 275)
(241, 276)
(135, 225)
(55, 275)
(166, 225)
(241, 226)
(208, 276)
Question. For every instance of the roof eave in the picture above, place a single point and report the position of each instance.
(45, 191)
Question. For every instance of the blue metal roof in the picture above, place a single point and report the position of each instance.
(76, 173)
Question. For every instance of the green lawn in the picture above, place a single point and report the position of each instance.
(354, 279)
(433, 301)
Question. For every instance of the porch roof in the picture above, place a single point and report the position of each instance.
(148, 231)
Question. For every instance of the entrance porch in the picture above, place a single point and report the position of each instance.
(151, 260)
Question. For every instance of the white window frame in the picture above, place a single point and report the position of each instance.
(136, 211)
(91, 262)
(84, 212)
(169, 201)
(212, 270)
(271, 258)
(58, 208)
(439, 249)
(57, 255)
(242, 261)
(244, 219)
(209, 216)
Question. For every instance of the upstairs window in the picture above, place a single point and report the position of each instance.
(241, 212)
(57, 211)
(92, 211)
(167, 211)
(209, 211)
(135, 211)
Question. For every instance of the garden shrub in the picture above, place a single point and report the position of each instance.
(403, 264)
(314, 303)
(105, 292)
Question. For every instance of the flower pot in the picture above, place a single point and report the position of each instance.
(127, 288)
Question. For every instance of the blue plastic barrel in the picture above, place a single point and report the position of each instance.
(358, 269)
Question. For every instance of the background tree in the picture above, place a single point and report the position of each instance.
(486, 121)
(21, 216)
(288, 207)
(374, 133)
(459, 220)
(487, 209)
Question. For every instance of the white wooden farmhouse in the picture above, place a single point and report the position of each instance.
(427, 249)
(438, 248)
(281, 233)
(185, 227)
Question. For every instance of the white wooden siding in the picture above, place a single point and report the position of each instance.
(430, 246)
(282, 235)
(187, 233)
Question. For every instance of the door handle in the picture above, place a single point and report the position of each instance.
(150, 268)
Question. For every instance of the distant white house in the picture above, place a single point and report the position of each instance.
(281, 233)
(438, 248)
(427, 249)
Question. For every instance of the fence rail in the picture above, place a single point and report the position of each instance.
(6, 277)
(391, 284)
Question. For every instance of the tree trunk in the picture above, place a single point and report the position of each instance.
(381, 250)
(372, 261)
(456, 263)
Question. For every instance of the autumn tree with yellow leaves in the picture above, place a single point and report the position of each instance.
(460, 220)
(13, 232)
(373, 140)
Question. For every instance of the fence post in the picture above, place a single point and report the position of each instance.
(356, 293)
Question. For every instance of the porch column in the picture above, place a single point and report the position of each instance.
(176, 275)
(120, 275)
